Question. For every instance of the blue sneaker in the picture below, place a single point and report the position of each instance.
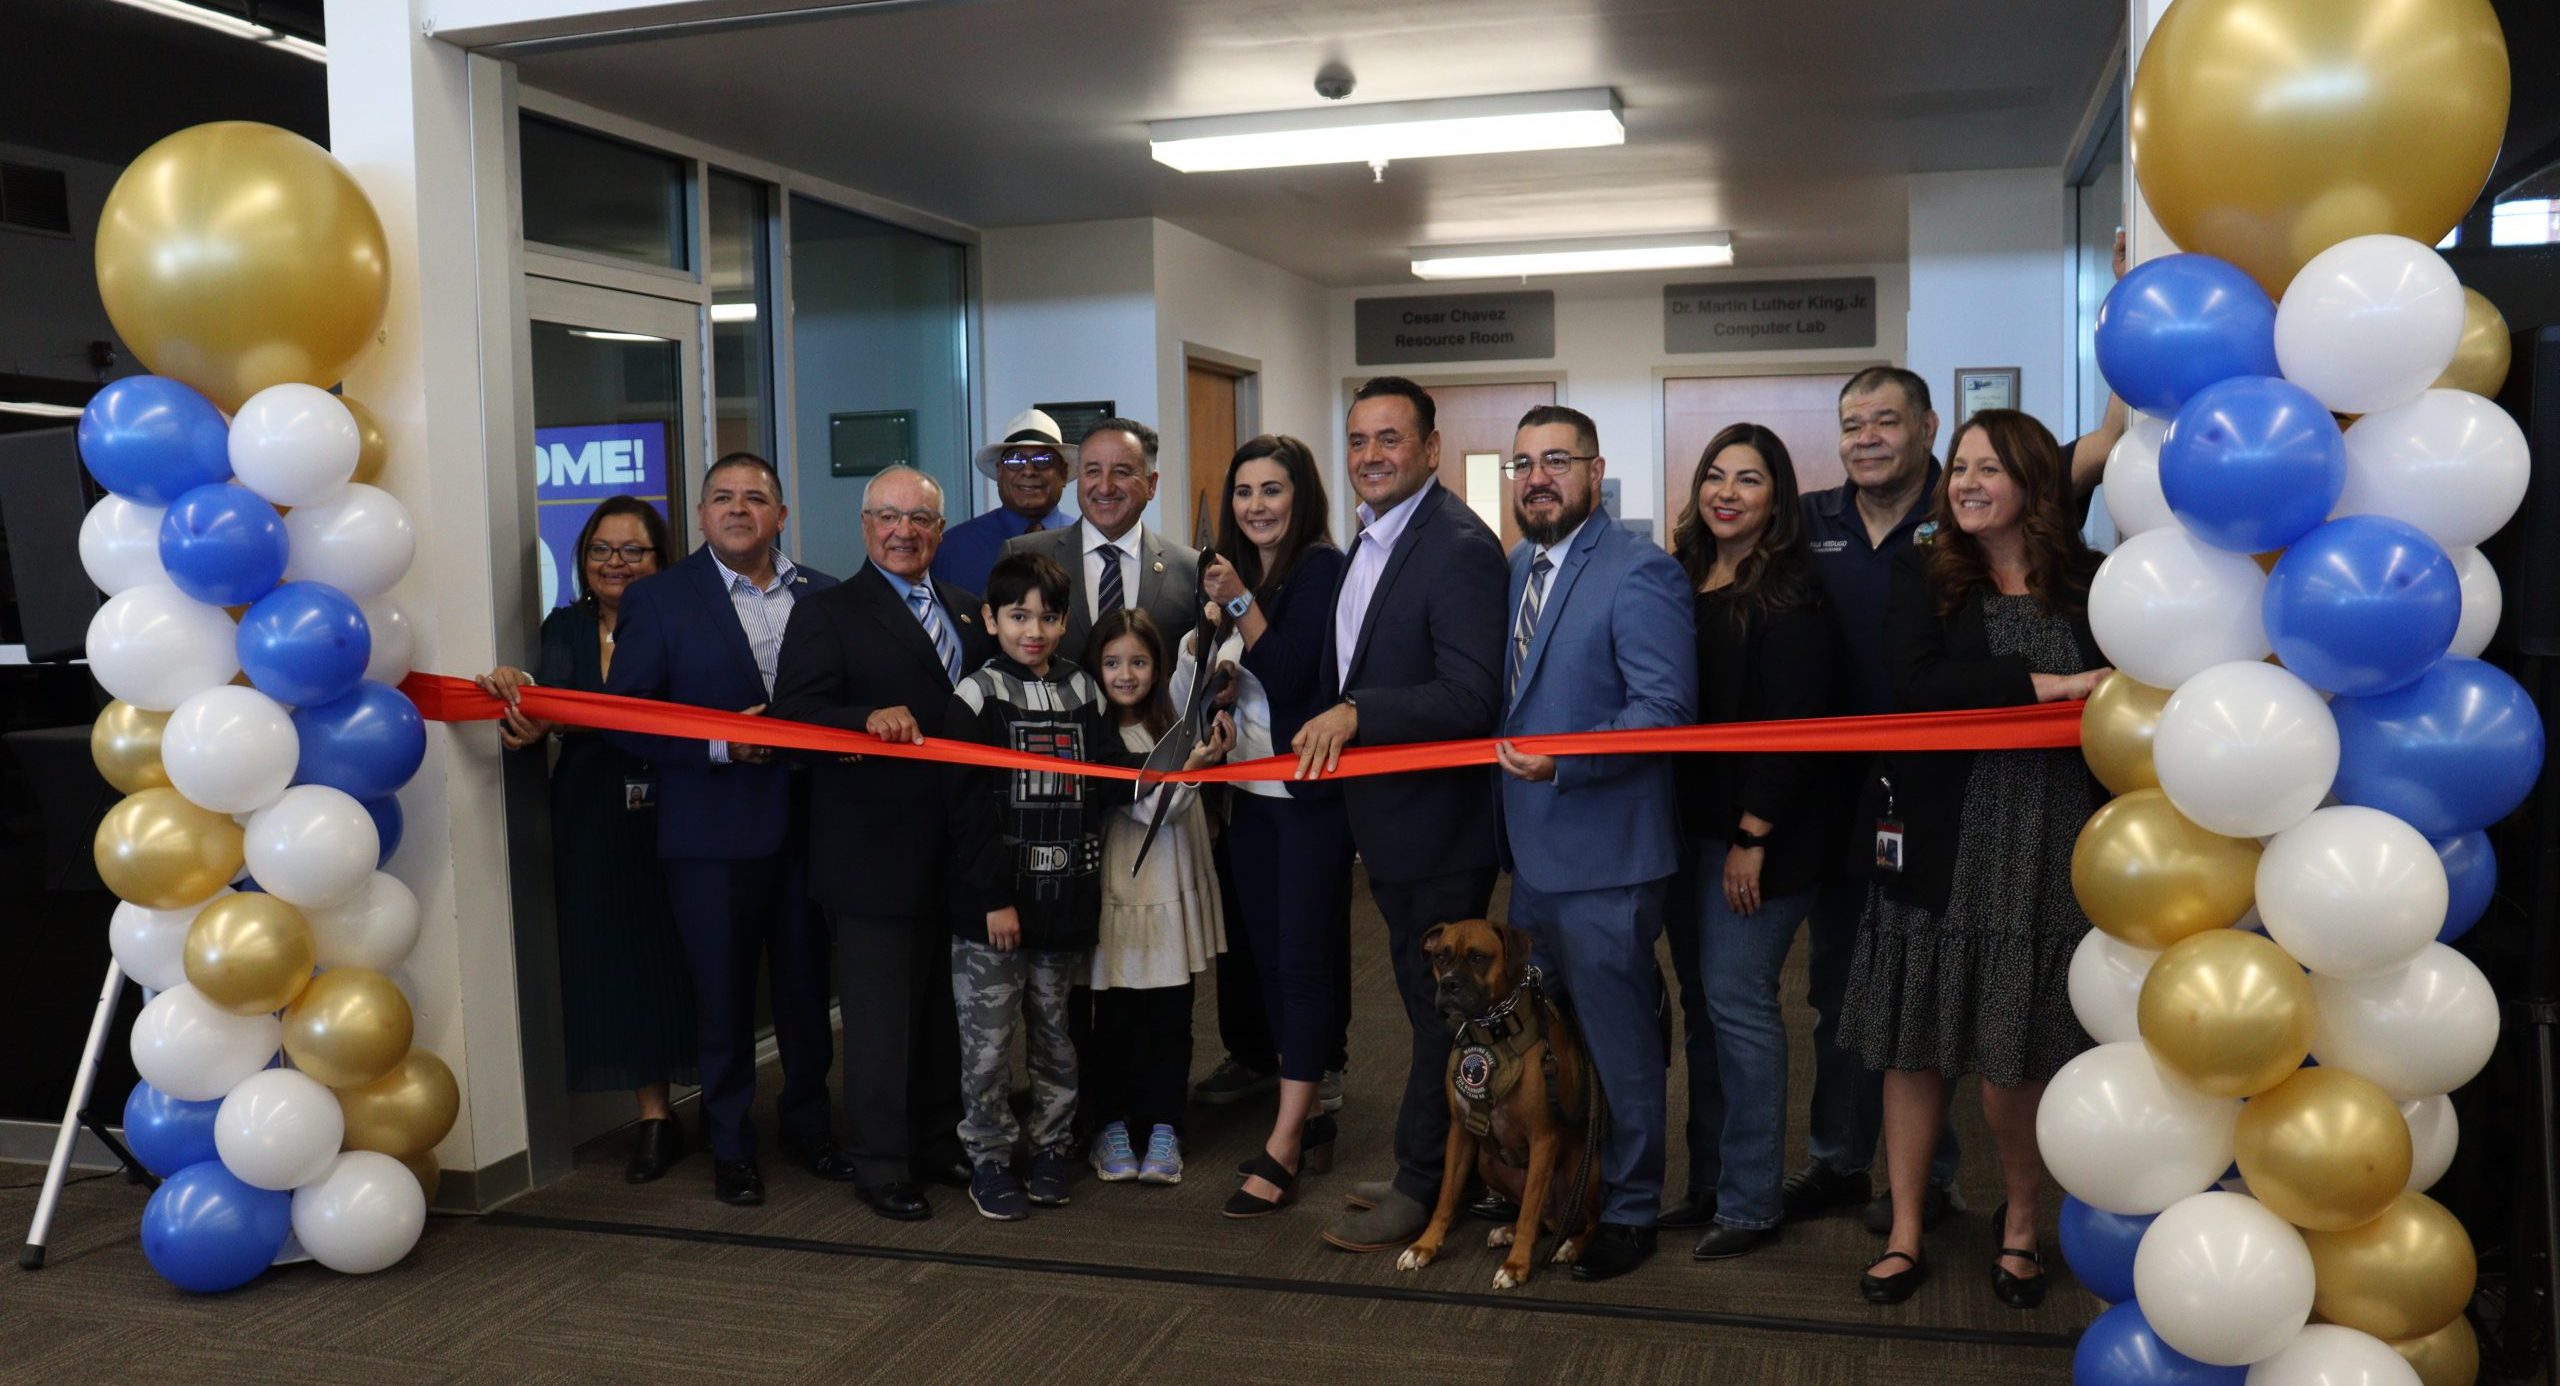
(1164, 1158)
(997, 1193)
(1113, 1160)
(1050, 1171)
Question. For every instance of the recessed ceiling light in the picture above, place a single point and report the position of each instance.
(1514, 259)
(1377, 134)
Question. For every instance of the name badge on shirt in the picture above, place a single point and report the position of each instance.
(1889, 844)
(639, 792)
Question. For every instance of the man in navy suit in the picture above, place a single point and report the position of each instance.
(1601, 640)
(731, 829)
(1417, 656)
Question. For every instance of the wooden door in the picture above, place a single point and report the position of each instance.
(1803, 410)
(1477, 424)
(1209, 412)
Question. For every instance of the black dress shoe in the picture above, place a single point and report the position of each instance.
(950, 1171)
(896, 1202)
(660, 1145)
(737, 1183)
(1724, 1243)
(821, 1158)
(1937, 1207)
(1614, 1249)
(1689, 1212)
(1817, 1188)
(1493, 1207)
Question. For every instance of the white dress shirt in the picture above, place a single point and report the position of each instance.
(762, 614)
(1370, 549)
(1124, 548)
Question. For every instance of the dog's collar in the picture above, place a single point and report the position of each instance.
(1505, 1020)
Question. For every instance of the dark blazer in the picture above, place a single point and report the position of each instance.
(1428, 667)
(678, 641)
(1168, 582)
(1289, 660)
(1940, 664)
(1756, 666)
(878, 834)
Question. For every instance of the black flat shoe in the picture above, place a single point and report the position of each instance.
(896, 1202)
(1688, 1213)
(1895, 1288)
(660, 1145)
(822, 1159)
(2016, 1291)
(1244, 1205)
(1614, 1249)
(737, 1183)
(1725, 1243)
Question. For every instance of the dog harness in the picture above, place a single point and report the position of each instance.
(1491, 1054)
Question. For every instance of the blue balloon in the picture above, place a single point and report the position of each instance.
(222, 544)
(167, 1134)
(2471, 879)
(205, 1231)
(2121, 1349)
(2362, 605)
(2253, 464)
(305, 642)
(367, 743)
(2174, 325)
(2454, 752)
(151, 440)
(388, 823)
(2099, 1246)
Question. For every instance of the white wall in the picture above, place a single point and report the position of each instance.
(49, 307)
(1209, 296)
(1067, 312)
(1991, 284)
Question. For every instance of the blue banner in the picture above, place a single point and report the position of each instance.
(573, 468)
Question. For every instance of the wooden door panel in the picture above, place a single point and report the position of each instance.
(1209, 406)
(1482, 419)
(1803, 410)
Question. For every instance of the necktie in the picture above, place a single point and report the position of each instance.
(1108, 597)
(930, 616)
(1530, 601)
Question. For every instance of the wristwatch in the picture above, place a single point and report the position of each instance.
(1746, 839)
(1242, 604)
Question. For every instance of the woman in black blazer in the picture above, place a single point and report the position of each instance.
(1964, 950)
(1757, 828)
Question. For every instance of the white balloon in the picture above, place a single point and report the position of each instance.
(154, 645)
(120, 545)
(279, 1129)
(2245, 749)
(2352, 892)
(2449, 462)
(2369, 323)
(2425, 1029)
(294, 444)
(375, 927)
(359, 541)
(194, 1050)
(2328, 1354)
(2222, 1279)
(2121, 1138)
(313, 847)
(2483, 602)
(151, 945)
(2134, 499)
(2166, 606)
(2106, 986)
(362, 1215)
(395, 640)
(230, 749)
(2434, 1133)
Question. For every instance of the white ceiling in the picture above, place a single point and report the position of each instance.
(1791, 123)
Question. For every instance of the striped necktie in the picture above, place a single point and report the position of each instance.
(1530, 601)
(1110, 596)
(929, 613)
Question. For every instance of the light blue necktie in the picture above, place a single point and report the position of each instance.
(1530, 601)
(944, 643)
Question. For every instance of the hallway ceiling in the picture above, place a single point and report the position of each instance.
(1792, 124)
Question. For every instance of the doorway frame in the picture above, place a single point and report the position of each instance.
(1345, 505)
(1246, 371)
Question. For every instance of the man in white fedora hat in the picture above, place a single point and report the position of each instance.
(1029, 466)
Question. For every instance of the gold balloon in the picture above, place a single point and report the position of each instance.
(2480, 362)
(234, 256)
(2325, 1150)
(160, 852)
(2450, 1356)
(429, 1173)
(250, 954)
(2228, 1013)
(2266, 131)
(2149, 877)
(406, 1111)
(2115, 733)
(348, 1027)
(125, 742)
(2403, 1275)
(377, 444)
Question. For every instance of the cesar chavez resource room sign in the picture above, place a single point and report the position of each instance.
(1769, 315)
(1518, 326)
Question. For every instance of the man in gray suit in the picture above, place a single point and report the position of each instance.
(1112, 560)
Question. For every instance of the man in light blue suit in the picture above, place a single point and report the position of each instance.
(1600, 640)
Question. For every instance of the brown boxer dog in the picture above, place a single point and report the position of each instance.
(1525, 1106)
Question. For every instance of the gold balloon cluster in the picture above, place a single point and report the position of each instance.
(2149, 877)
(249, 953)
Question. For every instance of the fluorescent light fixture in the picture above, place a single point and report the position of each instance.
(733, 312)
(299, 47)
(41, 411)
(1376, 134)
(598, 334)
(1515, 259)
(232, 24)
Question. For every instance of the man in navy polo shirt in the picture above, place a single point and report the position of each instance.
(1886, 432)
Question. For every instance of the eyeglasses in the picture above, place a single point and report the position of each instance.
(1036, 461)
(1552, 463)
(628, 553)
(888, 518)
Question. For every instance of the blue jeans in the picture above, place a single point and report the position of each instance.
(1848, 1097)
(1735, 1038)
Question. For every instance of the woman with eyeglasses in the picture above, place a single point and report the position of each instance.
(626, 1003)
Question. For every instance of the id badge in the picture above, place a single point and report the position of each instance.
(639, 792)
(1889, 844)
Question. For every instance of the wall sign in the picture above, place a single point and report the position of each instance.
(1076, 418)
(1769, 315)
(573, 468)
(1519, 326)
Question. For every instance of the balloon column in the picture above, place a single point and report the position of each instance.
(2305, 743)
(256, 725)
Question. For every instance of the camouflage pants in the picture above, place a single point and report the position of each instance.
(998, 996)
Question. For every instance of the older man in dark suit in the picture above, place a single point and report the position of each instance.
(1111, 558)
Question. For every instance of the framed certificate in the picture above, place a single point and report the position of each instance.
(1985, 387)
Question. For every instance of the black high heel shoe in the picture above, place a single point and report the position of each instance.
(2016, 1291)
(1245, 1205)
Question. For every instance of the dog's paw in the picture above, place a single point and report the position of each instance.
(1508, 1279)
(1568, 1251)
(1499, 1237)
(1413, 1259)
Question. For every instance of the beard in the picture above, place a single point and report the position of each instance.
(1569, 515)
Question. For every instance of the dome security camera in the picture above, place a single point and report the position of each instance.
(1333, 81)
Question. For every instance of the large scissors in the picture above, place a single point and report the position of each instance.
(1172, 751)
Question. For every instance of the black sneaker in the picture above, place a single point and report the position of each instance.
(1817, 1188)
(997, 1193)
(1940, 1205)
(1233, 1082)
(1050, 1171)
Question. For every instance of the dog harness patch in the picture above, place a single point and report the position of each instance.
(1474, 1073)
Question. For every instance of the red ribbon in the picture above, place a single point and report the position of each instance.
(2044, 726)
